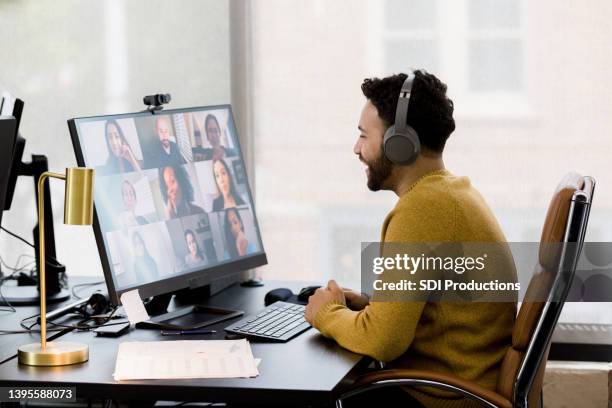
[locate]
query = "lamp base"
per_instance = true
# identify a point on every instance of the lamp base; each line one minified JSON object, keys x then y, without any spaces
{"x":57,"y":353}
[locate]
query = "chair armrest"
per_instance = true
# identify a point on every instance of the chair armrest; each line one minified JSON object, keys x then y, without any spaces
{"x":419,"y":378}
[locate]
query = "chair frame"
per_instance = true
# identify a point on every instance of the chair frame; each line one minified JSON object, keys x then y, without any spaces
{"x":575,"y":231}
{"x":416,"y":382}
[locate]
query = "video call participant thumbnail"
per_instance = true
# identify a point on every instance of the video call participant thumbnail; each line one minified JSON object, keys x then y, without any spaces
{"x":213,"y":135}
{"x":236,"y":242}
{"x":177,"y":192}
{"x":144,"y":266}
{"x":195,"y":256}
{"x":129,"y":217}
{"x":213,"y":132}
{"x":121,"y":158}
{"x":164,"y":151}
{"x":228,"y":195}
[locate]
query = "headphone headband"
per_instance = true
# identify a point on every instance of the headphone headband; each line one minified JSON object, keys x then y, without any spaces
{"x":401,"y":113}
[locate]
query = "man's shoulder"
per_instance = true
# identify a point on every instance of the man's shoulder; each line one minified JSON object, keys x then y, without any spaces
{"x":436,"y":195}
{"x":449,"y":208}
{"x":421,"y":218}
{"x":435,"y":209}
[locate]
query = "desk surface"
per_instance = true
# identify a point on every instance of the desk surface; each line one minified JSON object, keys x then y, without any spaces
{"x":308,"y":368}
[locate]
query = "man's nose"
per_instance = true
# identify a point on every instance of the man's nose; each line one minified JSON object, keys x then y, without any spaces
{"x":357,"y":148}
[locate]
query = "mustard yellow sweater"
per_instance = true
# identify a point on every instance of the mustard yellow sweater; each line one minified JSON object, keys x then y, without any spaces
{"x":467,"y":340}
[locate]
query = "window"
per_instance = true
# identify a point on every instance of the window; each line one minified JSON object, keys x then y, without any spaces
{"x":476,"y":44}
{"x":410,"y":35}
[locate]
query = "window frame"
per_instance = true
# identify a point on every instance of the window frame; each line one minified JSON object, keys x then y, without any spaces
{"x":453,"y":43}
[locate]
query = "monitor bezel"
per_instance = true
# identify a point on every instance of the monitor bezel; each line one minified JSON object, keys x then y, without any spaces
{"x":193,"y":279}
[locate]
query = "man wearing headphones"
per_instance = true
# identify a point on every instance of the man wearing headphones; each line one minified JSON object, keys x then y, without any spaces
{"x":403,"y":128}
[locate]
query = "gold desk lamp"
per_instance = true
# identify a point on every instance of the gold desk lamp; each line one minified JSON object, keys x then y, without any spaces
{"x":78,"y":210}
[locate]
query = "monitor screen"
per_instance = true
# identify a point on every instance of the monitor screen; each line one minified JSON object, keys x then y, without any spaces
{"x":172,"y":200}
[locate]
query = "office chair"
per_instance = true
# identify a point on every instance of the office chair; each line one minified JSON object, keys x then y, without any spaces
{"x":522,"y":370}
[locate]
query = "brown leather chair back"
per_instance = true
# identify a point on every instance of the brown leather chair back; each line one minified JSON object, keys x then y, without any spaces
{"x":540,"y":286}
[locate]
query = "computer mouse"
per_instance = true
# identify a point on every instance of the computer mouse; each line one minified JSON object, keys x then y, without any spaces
{"x":307,"y":292}
{"x":275,"y":295}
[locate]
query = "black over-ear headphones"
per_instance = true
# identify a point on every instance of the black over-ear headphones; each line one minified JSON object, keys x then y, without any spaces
{"x":97,"y":304}
{"x":401,"y":142}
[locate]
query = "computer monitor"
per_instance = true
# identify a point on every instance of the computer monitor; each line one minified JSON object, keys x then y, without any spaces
{"x":11,"y":168}
{"x":173,"y":207}
{"x":11,"y":106}
{"x":8,"y":135}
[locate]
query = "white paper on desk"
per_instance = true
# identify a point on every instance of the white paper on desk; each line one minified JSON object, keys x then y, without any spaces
{"x":133,"y":306}
{"x":184,"y":359}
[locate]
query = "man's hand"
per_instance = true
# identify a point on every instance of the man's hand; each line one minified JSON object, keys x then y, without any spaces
{"x":354,"y":300}
{"x":321,"y":297}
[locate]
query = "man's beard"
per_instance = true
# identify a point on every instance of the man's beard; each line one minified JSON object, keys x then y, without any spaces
{"x":379,"y":171}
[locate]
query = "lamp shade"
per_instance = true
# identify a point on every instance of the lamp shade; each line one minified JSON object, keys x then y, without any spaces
{"x":78,"y":201}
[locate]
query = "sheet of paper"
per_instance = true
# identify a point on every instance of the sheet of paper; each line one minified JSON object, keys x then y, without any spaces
{"x":185,"y":359}
{"x":133,"y":306}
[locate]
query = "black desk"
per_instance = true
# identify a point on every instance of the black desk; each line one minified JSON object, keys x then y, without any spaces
{"x":307,"y":370}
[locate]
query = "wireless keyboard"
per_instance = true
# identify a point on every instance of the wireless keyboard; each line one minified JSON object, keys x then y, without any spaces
{"x":280,"y":321}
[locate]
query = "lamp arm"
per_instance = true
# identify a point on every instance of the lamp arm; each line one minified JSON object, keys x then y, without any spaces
{"x":41,"y":254}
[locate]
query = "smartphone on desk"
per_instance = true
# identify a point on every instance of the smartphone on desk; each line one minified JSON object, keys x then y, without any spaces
{"x":114,"y":330}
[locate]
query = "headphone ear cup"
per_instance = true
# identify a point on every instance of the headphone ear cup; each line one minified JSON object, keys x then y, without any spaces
{"x":97,"y":304}
{"x":389,"y":134}
{"x":401,"y":148}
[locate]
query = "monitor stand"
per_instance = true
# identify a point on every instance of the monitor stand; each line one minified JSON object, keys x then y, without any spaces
{"x":29,"y":296}
{"x":190,"y":317}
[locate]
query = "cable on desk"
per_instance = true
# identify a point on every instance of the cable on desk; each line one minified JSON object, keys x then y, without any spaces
{"x":86,"y":327}
{"x":74,"y":291}
{"x":3,"y":332}
{"x":78,"y":326}
{"x":27,"y":329}
{"x":22,"y":322}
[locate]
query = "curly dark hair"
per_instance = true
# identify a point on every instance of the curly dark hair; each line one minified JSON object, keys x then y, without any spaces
{"x":430,"y":112}
{"x":182,"y":179}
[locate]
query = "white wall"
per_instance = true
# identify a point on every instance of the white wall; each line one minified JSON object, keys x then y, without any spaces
{"x":72,"y":58}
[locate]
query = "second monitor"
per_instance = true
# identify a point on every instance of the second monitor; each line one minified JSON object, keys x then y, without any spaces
{"x":173,"y":207}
